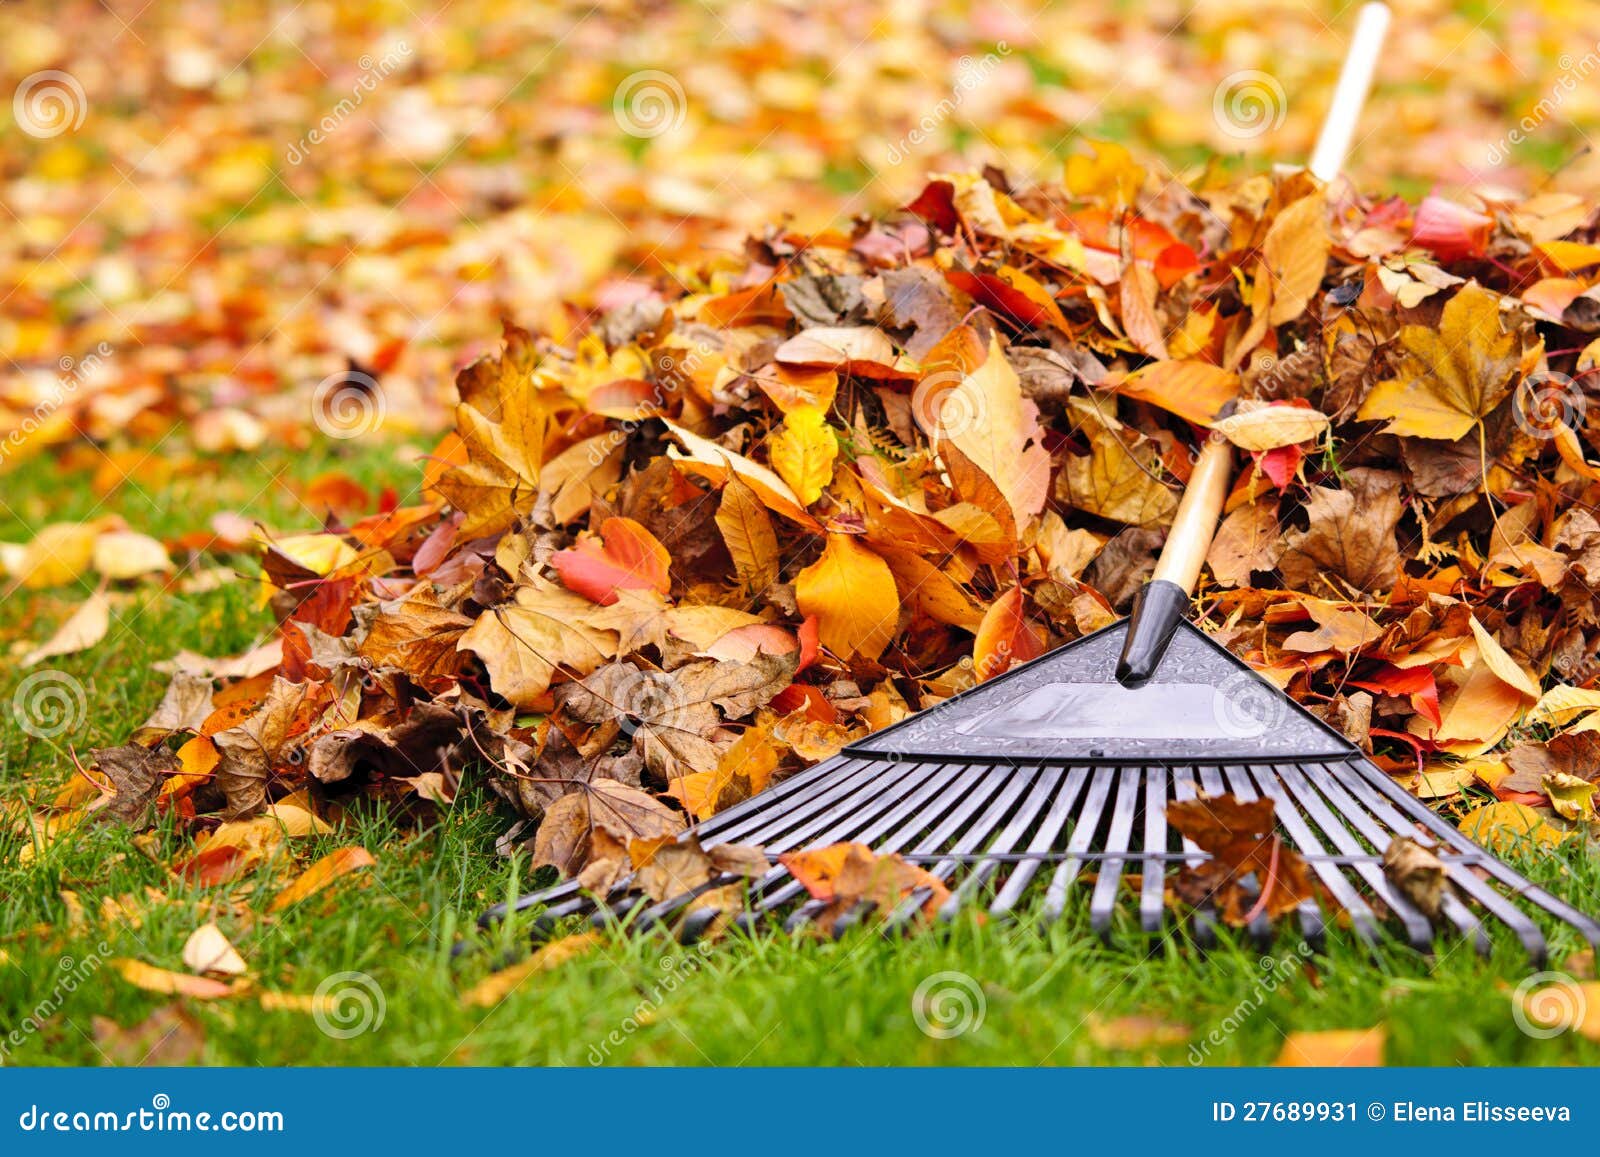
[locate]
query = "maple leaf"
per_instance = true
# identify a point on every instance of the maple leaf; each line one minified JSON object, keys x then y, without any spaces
{"x":595,"y":809}
{"x":1117,"y":478}
{"x":673,"y":716}
{"x":1248,"y":540}
{"x":1451,"y":378}
{"x":847,"y":876}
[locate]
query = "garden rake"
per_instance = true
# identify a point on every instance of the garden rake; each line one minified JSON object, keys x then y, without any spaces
{"x":1057,"y":775}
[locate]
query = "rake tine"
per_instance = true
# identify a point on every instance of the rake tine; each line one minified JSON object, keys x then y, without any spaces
{"x":1043,"y":840}
{"x":1362,"y":918}
{"x":1465,"y":918}
{"x":1471,"y":925}
{"x":779,"y":893}
{"x":786,"y":827}
{"x":795,"y":790}
{"x":1518,"y":884}
{"x":1204,"y":921}
{"x":1094,"y":802}
{"x":1153,"y":872}
{"x":970,"y":841}
{"x":1260,"y":927}
{"x":1044,"y":788}
{"x":1418,"y":930}
{"x":924,"y":807}
{"x":1308,"y":912}
{"x":1000,"y":798}
{"x":1102,"y":901}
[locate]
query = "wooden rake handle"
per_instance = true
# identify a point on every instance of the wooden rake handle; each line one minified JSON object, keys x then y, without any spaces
{"x":1164,"y":601}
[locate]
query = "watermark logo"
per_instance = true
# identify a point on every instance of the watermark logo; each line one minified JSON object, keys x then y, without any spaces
{"x":49,"y":103}
{"x":676,"y":971}
{"x":649,"y":104}
{"x":1245,"y":706}
{"x":1544,"y":402}
{"x":942,"y":410}
{"x":49,"y":703}
{"x":348,"y":404}
{"x":1548,"y":1004}
{"x":1274,"y":973}
{"x":1248,"y":103}
{"x":948,"y":1004}
{"x":348,"y":1004}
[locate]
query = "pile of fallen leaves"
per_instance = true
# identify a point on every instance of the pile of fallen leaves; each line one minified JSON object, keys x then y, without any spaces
{"x":775,"y":504}
{"x":217,"y":208}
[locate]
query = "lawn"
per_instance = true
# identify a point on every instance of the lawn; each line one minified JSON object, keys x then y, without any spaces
{"x":1048,"y":995}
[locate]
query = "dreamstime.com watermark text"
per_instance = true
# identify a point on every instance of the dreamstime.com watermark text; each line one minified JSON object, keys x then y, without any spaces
{"x":371,"y":73}
{"x":159,"y":1117}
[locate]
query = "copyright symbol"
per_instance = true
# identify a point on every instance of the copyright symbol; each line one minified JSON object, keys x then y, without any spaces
{"x":1375,"y":1111}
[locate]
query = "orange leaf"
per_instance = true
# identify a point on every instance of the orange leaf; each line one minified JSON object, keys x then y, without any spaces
{"x":625,"y":557}
{"x":1195,"y":391}
{"x":1005,"y":637}
{"x":322,"y":873}
{"x":1335,"y":1049}
{"x":153,"y":979}
{"x":851,"y":592}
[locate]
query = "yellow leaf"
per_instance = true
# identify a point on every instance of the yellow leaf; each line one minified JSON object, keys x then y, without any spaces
{"x":1257,"y":426}
{"x":995,"y":429}
{"x":1451,"y":378}
{"x":852,"y":593}
{"x":803,"y":451}
{"x":1116,"y":479}
{"x":1110,"y":174}
{"x":122,"y":554}
{"x":322,"y":873}
{"x":747,"y":532}
{"x":58,"y":554}
{"x":1560,"y":705}
{"x":1570,"y":795}
{"x":83,"y":629}
{"x":1502,"y":664}
{"x":710,"y":460}
{"x":208,"y":950}
{"x":1294,"y":255}
{"x":1504,"y":827}
{"x":495,"y":987}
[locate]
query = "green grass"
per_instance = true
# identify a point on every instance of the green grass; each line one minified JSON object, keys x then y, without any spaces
{"x":631,"y":1000}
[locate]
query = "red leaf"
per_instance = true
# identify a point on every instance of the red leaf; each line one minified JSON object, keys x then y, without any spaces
{"x":1452,"y":231}
{"x":625,"y":556}
{"x":1416,"y":683}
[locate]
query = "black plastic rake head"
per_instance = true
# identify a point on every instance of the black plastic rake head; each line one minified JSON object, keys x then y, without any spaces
{"x":1053,"y":780}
